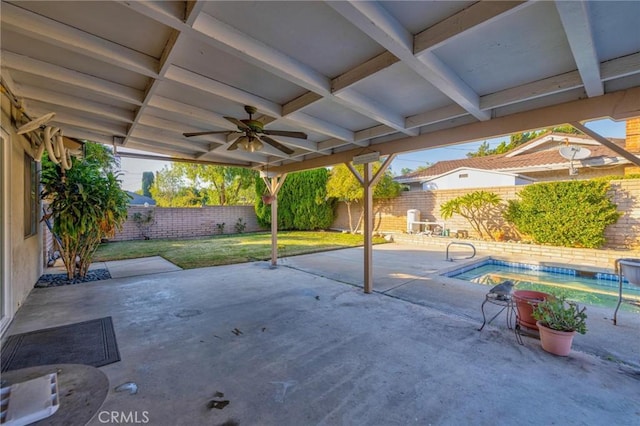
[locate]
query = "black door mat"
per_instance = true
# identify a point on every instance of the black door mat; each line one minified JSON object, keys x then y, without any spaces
{"x":90,"y":342}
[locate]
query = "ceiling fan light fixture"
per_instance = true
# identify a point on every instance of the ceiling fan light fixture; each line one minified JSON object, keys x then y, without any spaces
{"x":255,"y":145}
{"x":250,"y":144}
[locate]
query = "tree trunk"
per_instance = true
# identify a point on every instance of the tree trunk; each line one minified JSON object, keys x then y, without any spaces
{"x":360,"y":219}
{"x":350,"y":219}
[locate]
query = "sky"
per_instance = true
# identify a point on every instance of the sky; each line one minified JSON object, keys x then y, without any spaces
{"x":132,"y":169}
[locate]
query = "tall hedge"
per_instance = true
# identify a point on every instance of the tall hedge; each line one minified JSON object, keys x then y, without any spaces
{"x":302,"y":202}
{"x":569,"y":214}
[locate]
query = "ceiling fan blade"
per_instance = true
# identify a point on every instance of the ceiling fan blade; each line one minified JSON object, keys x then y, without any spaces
{"x":297,"y":135}
{"x":188,"y":135}
{"x":238,"y":123}
{"x":277,"y":145}
{"x":234,"y":145}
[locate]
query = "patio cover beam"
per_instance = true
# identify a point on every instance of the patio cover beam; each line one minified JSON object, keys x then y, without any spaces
{"x":74,"y":78}
{"x":473,"y":17}
{"x":618,"y":105}
{"x":577,"y":26}
{"x":178,"y":160}
{"x":606,"y":142}
{"x":39,"y":27}
{"x":377,"y":23}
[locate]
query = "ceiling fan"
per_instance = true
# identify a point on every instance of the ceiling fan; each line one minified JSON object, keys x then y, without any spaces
{"x":253,"y":134}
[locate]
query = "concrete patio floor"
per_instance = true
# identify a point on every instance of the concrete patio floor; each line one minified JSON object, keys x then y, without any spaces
{"x":311,"y":348}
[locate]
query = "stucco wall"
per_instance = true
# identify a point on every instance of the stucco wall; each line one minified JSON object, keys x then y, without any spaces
{"x":177,"y":222}
{"x":25,"y":260}
{"x":583,"y":173}
{"x":464,"y":177}
{"x":391,"y":216}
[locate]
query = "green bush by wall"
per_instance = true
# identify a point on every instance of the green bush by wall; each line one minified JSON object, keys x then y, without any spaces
{"x":302,"y":202}
{"x":569,"y":214}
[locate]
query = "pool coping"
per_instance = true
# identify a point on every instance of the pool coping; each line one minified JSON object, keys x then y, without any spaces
{"x":605,"y":274}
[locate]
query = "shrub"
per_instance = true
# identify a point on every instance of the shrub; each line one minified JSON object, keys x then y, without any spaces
{"x":86,"y":204}
{"x":240,"y":226}
{"x":220,"y":227}
{"x":570,"y":214}
{"x":302,"y":202}
{"x":480,"y":208}
{"x":144,"y":222}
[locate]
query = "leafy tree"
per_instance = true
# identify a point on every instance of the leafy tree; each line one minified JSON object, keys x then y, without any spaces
{"x":344,"y":186}
{"x":170,"y":190}
{"x":482,"y":150}
{"x":477,"y":207}
{"x":147,"y":183}
{"x":184,"y":185}
{"x":569,"y":213}
{"x":303,"y":203}
{"x":228,"y":185}
{"x":518,"y":139}
{"x":86,"y":204}
{"x":407,"y":170}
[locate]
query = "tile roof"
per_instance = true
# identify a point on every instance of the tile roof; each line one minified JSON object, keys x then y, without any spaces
{"x":139,"y":200}
{"x":503,"y":163}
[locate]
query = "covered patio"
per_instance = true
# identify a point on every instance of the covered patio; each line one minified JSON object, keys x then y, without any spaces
{"x":322,"y":83}
{"x":316,"y":350}
{"x":331,"y":82}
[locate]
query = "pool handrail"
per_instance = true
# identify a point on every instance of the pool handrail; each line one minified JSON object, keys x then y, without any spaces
{"x":618,"y":270}
{"x":447,"y":258}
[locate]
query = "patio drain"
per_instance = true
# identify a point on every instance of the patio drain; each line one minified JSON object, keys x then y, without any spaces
{"x":188,"y":313}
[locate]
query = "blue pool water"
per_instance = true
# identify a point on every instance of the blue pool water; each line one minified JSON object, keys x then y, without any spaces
{"x":582,"y":287}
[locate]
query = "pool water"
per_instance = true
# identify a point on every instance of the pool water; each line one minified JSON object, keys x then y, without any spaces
{"x":581,"y":287}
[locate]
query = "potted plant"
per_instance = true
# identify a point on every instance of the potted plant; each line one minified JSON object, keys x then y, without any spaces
{"x":526,"y":301}
{"x":558,"y":321}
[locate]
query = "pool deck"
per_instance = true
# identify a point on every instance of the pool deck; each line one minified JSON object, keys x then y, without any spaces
{"x":414,"y":274}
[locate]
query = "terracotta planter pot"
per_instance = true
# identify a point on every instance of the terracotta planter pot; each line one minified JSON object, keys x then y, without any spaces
{"x":554,"y":341}
{"x":526,"y":300}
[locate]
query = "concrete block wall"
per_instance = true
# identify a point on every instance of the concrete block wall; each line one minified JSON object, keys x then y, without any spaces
{"x":175,"y":222}
{"x":391,"y":215}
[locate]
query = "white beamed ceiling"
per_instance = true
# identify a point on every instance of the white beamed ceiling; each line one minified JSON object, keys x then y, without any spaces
{"x":387,"y":76}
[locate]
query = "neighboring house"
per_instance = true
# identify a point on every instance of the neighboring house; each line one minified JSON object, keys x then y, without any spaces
{"x":140,"y":200}
{"x":536,"y":160}
{"x":466,"y":177}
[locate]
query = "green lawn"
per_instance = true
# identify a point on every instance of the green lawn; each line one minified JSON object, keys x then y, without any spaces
{"x":227,"y":249}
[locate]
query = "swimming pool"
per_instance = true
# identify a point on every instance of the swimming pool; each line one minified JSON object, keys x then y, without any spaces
{"x":580,"y":286}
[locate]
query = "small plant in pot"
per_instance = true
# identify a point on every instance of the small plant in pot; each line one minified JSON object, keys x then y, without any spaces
{"x":558,"y":320}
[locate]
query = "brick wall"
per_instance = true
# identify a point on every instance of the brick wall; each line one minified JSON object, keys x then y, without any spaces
{"x":175,"y":222}
{"x":391,"y":216}
{"x":589,"y":258}
{"x":632,"y":142}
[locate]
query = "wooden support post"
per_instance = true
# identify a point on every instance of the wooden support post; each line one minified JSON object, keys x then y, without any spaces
{"x":368,"y":183}
{"x":368,"y":229}
{"x":274,"y":183}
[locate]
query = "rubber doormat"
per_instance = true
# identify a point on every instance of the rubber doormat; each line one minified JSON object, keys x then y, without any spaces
{"x":90,"y":342}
